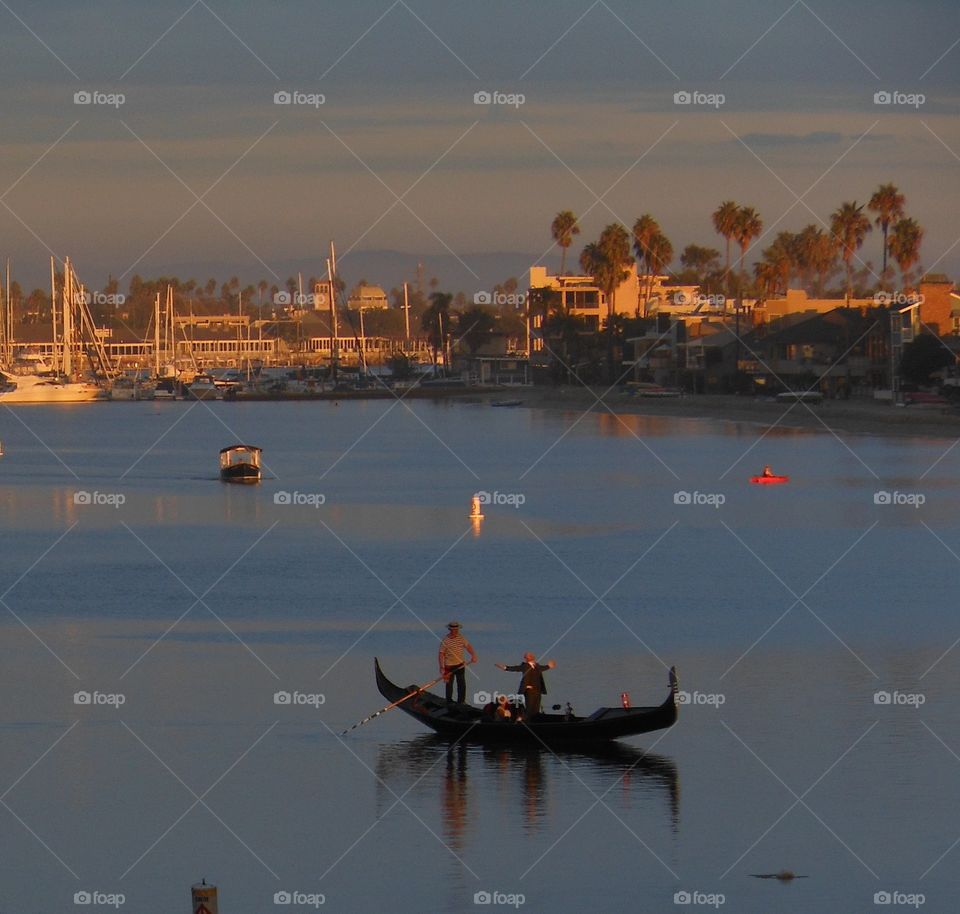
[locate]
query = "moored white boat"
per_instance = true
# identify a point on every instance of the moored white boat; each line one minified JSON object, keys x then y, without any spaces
{"x":130,"y":389}
{"x":203,"y":387}
{"x":31,"y":388}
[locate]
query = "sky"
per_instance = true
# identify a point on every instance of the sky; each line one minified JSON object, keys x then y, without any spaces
{"x":184,"y":163}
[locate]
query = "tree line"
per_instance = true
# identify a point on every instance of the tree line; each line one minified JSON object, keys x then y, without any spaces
{"x":810,"y":258}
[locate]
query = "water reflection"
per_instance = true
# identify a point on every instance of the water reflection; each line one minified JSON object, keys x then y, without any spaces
{"x":529,"y":779}
{"x":631,"y":425}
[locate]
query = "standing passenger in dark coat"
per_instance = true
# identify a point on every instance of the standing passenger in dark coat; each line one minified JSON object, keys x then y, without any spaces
{"x":532,"y":685}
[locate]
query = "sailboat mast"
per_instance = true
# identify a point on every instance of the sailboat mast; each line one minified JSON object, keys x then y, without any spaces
{"x":67,"y":317}
{"x":9,"y":315}
{"x":3,"y":332}
{"x":156,"y":335}
{"x":53,"y":316}
{"x":334,"y":347}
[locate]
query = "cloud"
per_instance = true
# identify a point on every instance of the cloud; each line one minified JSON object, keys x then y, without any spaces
{"x":814,"y":138}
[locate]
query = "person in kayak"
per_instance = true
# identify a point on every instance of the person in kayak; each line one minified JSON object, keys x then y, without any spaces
{"x":452,"y":664}
{"x":532,"y":685}
{"x":767,"y":471}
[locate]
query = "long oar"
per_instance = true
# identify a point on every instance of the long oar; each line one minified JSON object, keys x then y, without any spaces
{"x":399,"y":701}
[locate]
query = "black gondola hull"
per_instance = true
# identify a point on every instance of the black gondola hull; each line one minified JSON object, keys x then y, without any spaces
{"x":465,"y":722}
{"x":240,"y":472}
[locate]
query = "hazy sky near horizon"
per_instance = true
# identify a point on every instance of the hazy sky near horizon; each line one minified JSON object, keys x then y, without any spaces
{"x":400,"y":157}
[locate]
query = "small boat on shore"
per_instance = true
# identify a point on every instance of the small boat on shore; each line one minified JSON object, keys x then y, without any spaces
{"x":800,"y":396}
{"x":240,"y":463}
{"x":465,"y":722}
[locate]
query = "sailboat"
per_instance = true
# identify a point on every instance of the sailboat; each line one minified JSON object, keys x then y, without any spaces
{"x":29,"y":379}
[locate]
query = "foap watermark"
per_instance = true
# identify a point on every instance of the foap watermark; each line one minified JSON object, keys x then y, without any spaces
{"x":911,"y":499}
{"x":713,"y":499}
{"x":299,"y":499}
{"x":104,"y":899}
{"x":108,"y":499}
{"x":311,"y":699}
{"x":302,"y":899}
{"x":111,"y":699}
{"x":484,"y":698}
{"x":703,"y":99}
{"x":895,"y":97}
{"x":900,"y":699}
{"x":512,"y":299}
{"x":702,"y":698}
{"x":508,"y":99}
{"x":296,"y":97}
{"x":103,"y":298}
{"x":516,"y":499}
{"x":303,"y":299}
{"x":906,"y":899}
{"x":897,"y":298}
{"x":94,"y":97}
{"x":710,"y":899}
{"x":509,"y":899}
{"x":700,"y":299}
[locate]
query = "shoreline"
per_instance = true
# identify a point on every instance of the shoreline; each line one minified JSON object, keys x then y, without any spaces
{"x":843,"y":417}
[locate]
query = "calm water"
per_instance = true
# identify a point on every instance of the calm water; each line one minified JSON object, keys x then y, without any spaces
{"x":785,"y":610}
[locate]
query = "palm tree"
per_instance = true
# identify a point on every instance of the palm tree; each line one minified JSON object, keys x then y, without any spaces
{"x":606,"y":261}
{"x":849,"y":227}
{"x":779,"y":262}
{"x":748,"y":226}
{"x":645,"y":229}
{"x":563,"y":228}
{"x":887,"y":202}
{"x":818,"y":253}
{"x":905,"y":246}
{"x":769,"y":277}
{"x":615,"y":244}
{"x":724,"y":221}
{"x":436,"y":321}
{"x":659,"y":255}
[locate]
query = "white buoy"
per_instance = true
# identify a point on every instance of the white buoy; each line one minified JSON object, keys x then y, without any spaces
{"x":475,"y":512}
{"x":204,"y":898}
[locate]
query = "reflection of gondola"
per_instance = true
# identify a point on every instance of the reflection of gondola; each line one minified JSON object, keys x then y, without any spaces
{"x":634,"y":767}
{"x":466,"y":722}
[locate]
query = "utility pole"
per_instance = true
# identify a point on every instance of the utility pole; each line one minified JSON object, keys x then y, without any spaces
{"x":406,"y":312}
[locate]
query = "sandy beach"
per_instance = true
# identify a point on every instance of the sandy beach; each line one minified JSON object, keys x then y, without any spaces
{"x":851,"y":417}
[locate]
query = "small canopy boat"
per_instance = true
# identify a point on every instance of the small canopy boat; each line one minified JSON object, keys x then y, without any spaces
{"x":240,"y":463}
{"x":769,"y":480}
{"x":456,"y":721}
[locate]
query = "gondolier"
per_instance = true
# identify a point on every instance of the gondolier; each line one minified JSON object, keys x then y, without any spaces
{"x":452,"y":664}
{"x":532,"y":685}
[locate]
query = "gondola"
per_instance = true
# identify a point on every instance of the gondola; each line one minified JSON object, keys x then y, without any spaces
{"x":456,"y":721}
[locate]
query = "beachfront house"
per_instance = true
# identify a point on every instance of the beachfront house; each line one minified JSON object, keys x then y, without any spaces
{"x":841,"y":352}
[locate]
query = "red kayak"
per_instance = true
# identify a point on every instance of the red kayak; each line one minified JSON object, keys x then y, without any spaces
{"x":769,"y":480}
